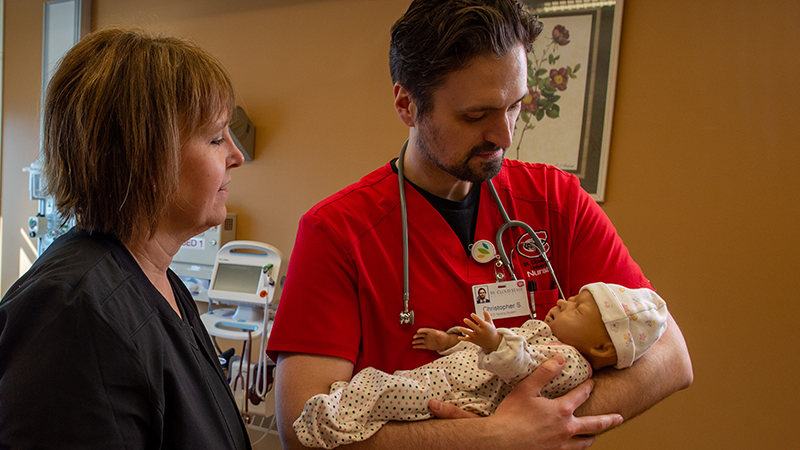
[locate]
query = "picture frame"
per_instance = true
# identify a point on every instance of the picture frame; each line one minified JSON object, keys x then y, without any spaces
{"x":65,"y":22}
{"x":567,"y":116}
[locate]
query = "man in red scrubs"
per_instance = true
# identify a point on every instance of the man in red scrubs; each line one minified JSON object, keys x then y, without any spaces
{"x":460,"y":75}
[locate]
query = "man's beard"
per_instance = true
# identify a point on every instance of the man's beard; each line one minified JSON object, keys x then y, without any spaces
{"x":426,"y":141}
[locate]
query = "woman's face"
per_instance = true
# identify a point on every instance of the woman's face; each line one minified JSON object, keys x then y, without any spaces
{"x":206,"y":160}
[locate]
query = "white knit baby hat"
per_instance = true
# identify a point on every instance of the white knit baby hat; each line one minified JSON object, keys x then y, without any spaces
{"x":634,"y":318}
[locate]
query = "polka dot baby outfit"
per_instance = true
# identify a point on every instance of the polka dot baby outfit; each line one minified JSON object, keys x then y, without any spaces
{"x":466,"y":377}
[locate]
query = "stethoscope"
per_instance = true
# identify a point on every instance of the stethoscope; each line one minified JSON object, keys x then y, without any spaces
{"x":406,"y":316}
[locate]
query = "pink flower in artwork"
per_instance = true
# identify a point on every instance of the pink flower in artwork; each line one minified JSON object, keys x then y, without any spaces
{"x":547,"y":82}
{"x":558,"y":78}
{"x":531,"y":101}
{"x":560,"y":35}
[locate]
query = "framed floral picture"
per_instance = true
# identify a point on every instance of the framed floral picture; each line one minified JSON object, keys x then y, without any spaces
{"x":572,"y":70}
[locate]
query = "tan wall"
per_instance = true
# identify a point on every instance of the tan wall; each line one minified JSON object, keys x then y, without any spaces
{"x":702,"y":182}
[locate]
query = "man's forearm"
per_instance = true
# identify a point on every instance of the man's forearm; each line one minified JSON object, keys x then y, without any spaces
{"x":463,"y":434}
{"x":665,"y":369}
{"x":299,"y":377}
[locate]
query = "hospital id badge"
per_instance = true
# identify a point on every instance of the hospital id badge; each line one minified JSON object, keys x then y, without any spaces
{"x":502,"y":300}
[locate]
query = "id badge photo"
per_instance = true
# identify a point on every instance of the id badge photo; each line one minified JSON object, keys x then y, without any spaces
{"x":502,"y":300}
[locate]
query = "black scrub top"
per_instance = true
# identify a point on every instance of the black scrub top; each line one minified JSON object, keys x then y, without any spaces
{"x":92,"y":356}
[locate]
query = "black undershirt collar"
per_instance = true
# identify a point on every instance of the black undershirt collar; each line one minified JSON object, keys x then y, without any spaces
{"x":462,"y":216}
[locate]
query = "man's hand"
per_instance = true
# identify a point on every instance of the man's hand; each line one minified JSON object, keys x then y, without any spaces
{"x":538,"y":422}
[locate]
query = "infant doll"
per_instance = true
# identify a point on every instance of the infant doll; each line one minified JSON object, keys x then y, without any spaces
{"x":603,"y":325}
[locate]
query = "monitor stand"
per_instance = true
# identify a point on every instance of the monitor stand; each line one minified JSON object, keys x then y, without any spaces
{"x":234,"y":323}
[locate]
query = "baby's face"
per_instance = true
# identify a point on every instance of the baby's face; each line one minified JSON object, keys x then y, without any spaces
{"x":577,"y":321}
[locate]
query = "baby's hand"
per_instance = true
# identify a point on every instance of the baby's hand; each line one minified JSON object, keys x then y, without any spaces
{"x":431,"y":339}
{"x":481,"y":332}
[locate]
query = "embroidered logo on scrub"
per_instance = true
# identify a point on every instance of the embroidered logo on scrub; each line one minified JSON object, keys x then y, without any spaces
{"x":527,"y":248}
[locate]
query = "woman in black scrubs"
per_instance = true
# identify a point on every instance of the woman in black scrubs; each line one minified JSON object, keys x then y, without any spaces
{"x":101,"y":345}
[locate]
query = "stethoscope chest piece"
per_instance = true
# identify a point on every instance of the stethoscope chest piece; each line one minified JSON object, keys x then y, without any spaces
{"x":483,"y":251}
{"x":406,"y":317}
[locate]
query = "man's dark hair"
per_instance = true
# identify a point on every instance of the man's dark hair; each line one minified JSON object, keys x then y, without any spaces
{"x":437,"y":37}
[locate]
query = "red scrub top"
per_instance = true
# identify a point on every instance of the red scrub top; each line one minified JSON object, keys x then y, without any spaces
{"x":344,"y":286}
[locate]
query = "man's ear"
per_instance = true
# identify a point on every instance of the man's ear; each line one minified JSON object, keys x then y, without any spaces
{"x":404,"y":105}
{"x":604,"y":350}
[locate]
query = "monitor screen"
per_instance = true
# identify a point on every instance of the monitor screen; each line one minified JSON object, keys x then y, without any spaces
{"x":237,"y":278}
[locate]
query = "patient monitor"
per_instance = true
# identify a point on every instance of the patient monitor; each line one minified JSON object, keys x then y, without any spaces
{"x":248,"y":275}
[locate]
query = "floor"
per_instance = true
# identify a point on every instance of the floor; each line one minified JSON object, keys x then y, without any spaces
{"x":263,"y":432}
{"x":265,"y":441}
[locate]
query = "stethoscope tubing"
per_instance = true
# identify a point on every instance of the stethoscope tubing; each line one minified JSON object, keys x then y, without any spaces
{"x":407,"y":316}
{"x":508,"y":223}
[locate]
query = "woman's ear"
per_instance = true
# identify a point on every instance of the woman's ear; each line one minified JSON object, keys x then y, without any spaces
{"x":404,"y":105}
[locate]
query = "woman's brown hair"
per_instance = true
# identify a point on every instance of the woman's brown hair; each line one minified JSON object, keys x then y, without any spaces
{"x":116,"y":114}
